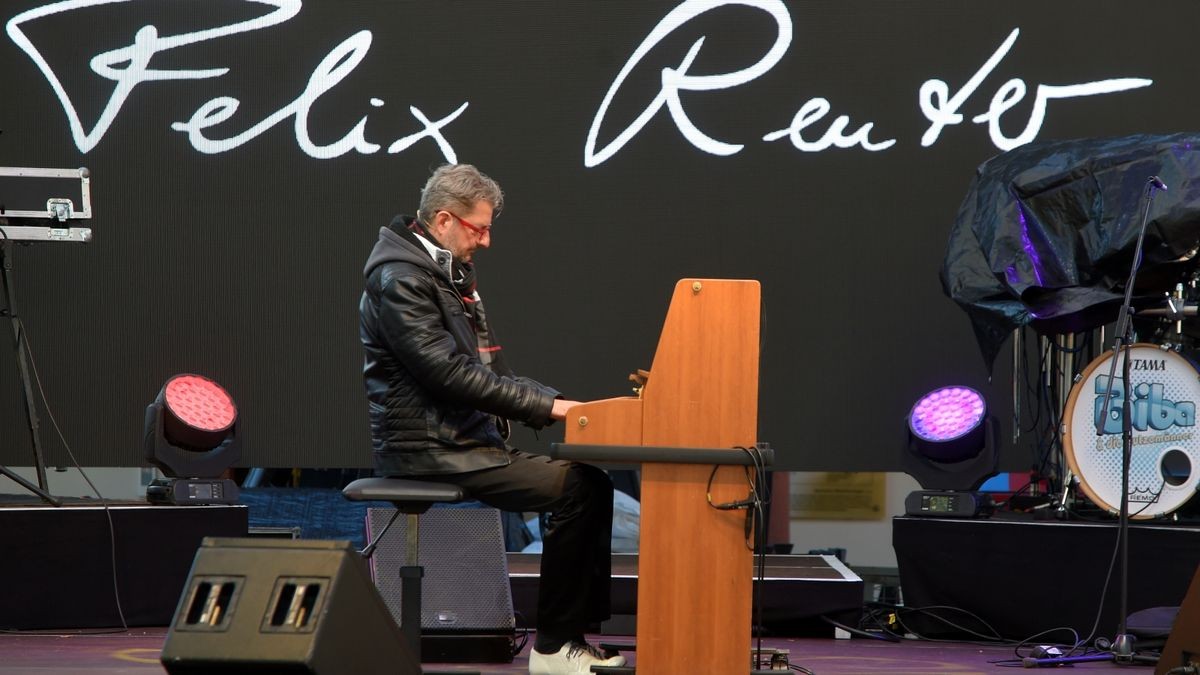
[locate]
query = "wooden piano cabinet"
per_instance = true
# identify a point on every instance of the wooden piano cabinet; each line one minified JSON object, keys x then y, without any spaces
{"x":694,"y":590}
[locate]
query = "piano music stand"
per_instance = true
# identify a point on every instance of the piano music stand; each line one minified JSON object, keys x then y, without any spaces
{"x":58,"y":211}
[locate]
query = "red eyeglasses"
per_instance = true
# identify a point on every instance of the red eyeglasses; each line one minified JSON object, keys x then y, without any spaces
{"x":481,"y":231}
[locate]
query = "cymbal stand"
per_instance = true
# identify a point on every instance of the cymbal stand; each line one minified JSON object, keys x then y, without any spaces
{"x":1018,"y":360}
{"x":1046,"y":382}
{"x":1066,"y":381}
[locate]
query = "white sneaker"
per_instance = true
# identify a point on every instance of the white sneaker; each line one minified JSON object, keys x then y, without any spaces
{"x":575,"y":658}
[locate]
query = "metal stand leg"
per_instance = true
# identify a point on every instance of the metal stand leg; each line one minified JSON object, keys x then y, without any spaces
{"x":41,"y":489}
{"x":1067,"y":382}
{"x":410,"y":588}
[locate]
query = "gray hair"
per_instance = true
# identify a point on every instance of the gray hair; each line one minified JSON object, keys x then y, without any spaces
{"x":458,"y":185}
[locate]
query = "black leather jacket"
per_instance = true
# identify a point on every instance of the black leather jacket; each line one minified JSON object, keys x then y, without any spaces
{"x":433,"y":404}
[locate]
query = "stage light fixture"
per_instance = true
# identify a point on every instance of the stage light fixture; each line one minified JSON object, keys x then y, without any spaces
{"x":191,"y":434}
{"x":951,"y":451}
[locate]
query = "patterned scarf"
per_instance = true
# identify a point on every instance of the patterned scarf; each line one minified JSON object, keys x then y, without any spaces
{"x":463,"y":278}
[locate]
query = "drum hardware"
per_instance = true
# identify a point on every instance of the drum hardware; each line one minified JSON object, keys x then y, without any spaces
{"x":1056,"y":353}
{"x":1068,"y":478}
{"x":1070,"y":481}
{"x":1177,"y":306}
{"x":1176,"y":314}
{"x":1046,"y":372}
{"x":1066,"y":366}
{"x":1016,"y":379}
{"x":1066,"y":369}
{"x":1176,"y":310}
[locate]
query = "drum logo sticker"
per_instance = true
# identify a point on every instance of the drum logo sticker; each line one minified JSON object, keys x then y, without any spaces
{"x":1164,"y":453}
{"x":1150,"y":408}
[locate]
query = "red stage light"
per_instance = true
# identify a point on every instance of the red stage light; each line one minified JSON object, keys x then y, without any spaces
{"x":191,"y":434}
{"x":200,"y":411}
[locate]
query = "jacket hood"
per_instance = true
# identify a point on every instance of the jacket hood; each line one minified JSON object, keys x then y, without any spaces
{"x":398,"y":244}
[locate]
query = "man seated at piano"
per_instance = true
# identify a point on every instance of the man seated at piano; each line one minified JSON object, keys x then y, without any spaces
{"x":440,"y":398}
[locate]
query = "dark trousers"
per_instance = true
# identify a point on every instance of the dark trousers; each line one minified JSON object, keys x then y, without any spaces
{"x":576,"y":576}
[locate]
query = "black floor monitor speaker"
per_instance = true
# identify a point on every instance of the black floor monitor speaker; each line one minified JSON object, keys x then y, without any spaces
{"x":262,"y":605}
{"x":1183,"y":645}
{"x":466,"y":601}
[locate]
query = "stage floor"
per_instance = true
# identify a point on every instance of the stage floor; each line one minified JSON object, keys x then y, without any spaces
{"x":137,"y":652}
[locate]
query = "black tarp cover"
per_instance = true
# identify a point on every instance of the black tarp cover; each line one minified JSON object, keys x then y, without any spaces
{"x":1046,"y":233}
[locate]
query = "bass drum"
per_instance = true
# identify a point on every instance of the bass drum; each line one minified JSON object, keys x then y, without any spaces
{"x":1166,"y":448}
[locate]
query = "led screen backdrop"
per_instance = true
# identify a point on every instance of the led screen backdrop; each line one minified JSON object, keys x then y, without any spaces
{"x":244,"y":154}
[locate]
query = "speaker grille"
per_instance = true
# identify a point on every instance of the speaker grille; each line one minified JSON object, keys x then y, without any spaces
{"x":465,"y":588}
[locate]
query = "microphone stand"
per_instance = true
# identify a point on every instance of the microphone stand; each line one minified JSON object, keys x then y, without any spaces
{"x":1122,"y":644}
{"x":1121,"y":650}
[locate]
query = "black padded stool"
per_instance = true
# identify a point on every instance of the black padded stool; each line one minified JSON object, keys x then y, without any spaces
{"x":412,"y":498}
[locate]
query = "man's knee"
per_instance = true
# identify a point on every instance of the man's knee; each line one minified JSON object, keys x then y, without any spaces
{"x":593,"y":480}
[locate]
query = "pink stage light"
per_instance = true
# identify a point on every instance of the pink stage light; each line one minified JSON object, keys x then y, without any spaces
{"x":947,"y":414}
